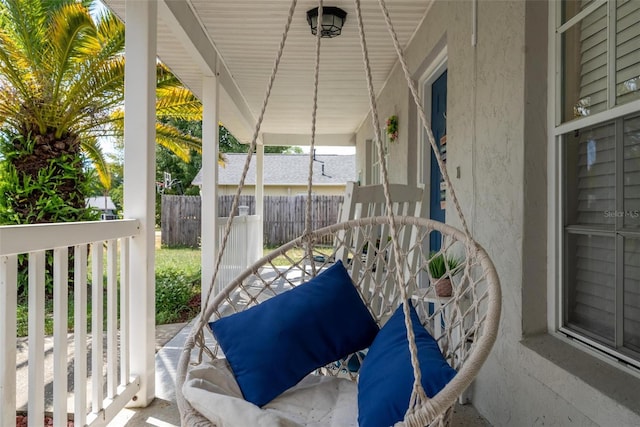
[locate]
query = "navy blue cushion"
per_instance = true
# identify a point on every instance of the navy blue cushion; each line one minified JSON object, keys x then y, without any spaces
{"x":386,"y":375}
{"x":275,"y":344}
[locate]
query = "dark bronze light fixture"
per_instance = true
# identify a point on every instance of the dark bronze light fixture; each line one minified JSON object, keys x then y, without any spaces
{"x":332,"y":21}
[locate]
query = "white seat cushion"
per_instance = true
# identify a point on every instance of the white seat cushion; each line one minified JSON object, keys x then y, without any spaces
{"x":316,"y":401}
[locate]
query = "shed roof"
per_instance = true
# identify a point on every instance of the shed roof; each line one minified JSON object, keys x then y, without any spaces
{"x":101,"y":202}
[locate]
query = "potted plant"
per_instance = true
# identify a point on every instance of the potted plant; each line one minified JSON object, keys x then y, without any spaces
{"x":441,"y":268}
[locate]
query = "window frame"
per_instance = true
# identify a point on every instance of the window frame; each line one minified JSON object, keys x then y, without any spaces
{"x":557,"y":231}
{"x":376,"y":163}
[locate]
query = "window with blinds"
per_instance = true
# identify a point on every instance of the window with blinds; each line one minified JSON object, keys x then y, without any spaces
{"x":627,"y":51}
{"x":600,"y":70}
{"x":602,"y":296}
{"x":600,"y":57}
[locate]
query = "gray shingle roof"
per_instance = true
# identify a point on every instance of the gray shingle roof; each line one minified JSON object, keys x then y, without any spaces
{"x":288,"y":169}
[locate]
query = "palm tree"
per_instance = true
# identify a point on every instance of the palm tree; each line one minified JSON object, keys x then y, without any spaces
{"x":61,"y":92}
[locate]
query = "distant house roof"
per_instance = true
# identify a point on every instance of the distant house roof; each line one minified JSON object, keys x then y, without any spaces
{"x":288,"y":169}
{"x":101,"y":202}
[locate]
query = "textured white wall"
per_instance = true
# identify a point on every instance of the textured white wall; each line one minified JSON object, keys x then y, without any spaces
{"x":496,"y":134}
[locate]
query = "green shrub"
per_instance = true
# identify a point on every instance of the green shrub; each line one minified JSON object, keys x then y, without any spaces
{"x":177,"y":295}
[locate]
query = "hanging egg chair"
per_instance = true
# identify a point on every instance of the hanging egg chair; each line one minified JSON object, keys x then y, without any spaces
{"x":360,"y":333}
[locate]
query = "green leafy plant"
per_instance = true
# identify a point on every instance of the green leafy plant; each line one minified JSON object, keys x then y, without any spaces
{"x":177,"y":296}
{"x":440,"y":263}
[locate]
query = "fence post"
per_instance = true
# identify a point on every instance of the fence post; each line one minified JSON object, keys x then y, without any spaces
{"x":8,"y":304}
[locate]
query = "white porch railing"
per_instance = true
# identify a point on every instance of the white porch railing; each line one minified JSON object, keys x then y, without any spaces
{"x":244,"y":247}
{"x":111,"y":384}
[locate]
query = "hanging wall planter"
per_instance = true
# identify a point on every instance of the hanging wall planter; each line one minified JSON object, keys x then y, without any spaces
{"x":392,"y":128}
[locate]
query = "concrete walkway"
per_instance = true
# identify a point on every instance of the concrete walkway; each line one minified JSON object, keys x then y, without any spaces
{"x":163,"y":411}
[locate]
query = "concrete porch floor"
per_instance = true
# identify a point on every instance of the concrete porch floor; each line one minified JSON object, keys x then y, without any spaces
{"x":163,"y":411}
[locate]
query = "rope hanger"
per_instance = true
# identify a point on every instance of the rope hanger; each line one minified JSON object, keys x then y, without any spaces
{"x":378,"y":138}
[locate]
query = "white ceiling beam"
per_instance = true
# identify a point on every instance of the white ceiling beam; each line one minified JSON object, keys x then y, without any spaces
{"x":343,"y":140}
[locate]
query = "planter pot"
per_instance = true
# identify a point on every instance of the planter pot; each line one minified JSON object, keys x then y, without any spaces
{"x":443,"y":287}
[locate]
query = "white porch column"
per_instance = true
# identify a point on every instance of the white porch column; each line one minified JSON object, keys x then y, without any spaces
{"x":209,"y":237}
{"x":260,"y":190}
{"x":139,"y":187}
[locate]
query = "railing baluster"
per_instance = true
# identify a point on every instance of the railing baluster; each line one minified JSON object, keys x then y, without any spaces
{"x":60,"y":344}
{"x":97,"y":330}
{"x":124,"y":311}
{"x":112,"y":318}
{"x":36,"y":242}
{"x":80,"y":334}
{"x":36,"y":338}
{"x":8,"y":304}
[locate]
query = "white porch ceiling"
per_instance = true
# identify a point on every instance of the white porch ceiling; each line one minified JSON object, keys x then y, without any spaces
{"x":244,"y":35}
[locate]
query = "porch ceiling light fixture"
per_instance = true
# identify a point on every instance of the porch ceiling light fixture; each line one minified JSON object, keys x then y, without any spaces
{"x":333,"y":19}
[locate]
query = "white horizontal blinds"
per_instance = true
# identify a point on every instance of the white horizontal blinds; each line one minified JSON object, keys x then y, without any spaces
{"x":631,"y":178}
{"x":593,"y":63}
{"x":591,"y":296}
{"x":631,"y":315}
{"x":595,"y":176}
{"x":590,"y":174}
{"x":627,"y":51}
{"x":591,"y":158}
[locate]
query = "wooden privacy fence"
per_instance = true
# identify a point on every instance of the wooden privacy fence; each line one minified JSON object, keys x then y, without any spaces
{"x":180,"y":221}
{"x":283,"y":217}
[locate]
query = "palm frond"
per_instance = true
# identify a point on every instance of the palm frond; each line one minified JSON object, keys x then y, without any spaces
{"x":179,"y":143}
{"x":178,"y":102}
{"x":72,"y":35}
{"x":11,"y":59}
{"x":94,"y":152}
{"x":165,"y":78}
{"x":97,"y":93}
{"x":27,"y":26}
{"x":17,"y":76}
{"x":110,"y":34}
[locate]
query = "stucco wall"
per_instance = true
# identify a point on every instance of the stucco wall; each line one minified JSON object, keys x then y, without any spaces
{"x":497,"y":136}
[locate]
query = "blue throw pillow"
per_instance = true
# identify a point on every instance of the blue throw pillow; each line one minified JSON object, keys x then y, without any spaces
{"x":275,"y":344}
{"x":386,"y":375}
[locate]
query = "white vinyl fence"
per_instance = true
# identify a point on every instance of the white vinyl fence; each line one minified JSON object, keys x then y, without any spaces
{"x":244,"y":247}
